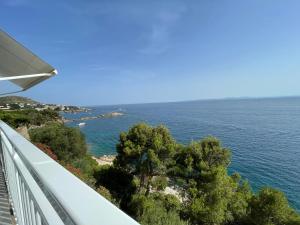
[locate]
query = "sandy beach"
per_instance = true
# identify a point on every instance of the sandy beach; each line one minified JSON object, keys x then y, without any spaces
{"x":105,"y":160}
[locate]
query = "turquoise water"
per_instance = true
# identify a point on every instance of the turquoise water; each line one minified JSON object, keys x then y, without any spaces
{"x":263,"y":134}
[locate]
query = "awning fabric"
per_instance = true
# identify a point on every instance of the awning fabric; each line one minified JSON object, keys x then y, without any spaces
{"x":20,"y":66}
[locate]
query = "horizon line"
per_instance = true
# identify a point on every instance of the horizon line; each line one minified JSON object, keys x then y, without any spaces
{"x":195,"y":100}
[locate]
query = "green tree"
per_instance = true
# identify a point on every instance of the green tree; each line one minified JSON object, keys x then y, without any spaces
{"x":106,"y":194}
{"x":209,"y":201}
{"x":149,"y":158}
{"x":194,"y":160}
{"x":86,"y":164}
{"x":15,"y":118}
{"x":120,"y":184}
{"x":29,"y":117}
{"x":14,"y":106}
{"x":239,"y":204}
{"x":66,"y":142}
{"x":212,"y":196}
{"x":270,"y":207}
{"x":145,"y":151}
{"x":156,"y":209}
{"x":293,"y":220}
{"x":159,"y":183}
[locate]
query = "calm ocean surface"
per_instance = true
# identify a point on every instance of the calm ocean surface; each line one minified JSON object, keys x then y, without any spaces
{"x":263,"y":134}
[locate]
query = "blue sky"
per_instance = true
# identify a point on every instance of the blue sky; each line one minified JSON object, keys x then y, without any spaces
{"x":112,"y":52}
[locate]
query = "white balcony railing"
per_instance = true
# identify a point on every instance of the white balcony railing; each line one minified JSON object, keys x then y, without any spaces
{"x":43,"y":192}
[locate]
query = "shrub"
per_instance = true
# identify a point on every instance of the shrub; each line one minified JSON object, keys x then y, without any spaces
{"x":67,"y":143}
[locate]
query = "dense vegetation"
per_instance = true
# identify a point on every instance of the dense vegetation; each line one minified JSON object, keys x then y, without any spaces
{"x":151,"y":160}
{"x":66,"y":145}
{"x":161,"y":182}
{"x":28,"y":117}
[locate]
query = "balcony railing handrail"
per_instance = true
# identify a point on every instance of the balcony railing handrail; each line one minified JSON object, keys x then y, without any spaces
{"x":59,"y":196}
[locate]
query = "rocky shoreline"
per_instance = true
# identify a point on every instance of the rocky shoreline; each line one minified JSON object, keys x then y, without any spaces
{"x":101,"y":116}
{"x":105,"y":159}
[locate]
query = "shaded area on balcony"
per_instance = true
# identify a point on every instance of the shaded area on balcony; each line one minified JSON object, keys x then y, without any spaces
{"x":6,"y":217}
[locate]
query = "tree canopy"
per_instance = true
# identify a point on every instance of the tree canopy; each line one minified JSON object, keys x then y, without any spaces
{"x":146,"y":152}
{"x":148,"y":161}
{"x":29,"y":117}
{"x":270,"y":207}
{"x":66,"y":142}
{"x":199,"y":173}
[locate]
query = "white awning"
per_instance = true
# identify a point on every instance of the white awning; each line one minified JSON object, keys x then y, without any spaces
{"x":20,"y":66}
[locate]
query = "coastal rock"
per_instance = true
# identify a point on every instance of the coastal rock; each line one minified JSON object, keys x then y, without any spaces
{"x":105,"y":160}
{"x":113,"y":114}
{"x":107,"y":115}
{"x":23,"y":131}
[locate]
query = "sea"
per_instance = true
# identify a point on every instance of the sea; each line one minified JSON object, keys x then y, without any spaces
{"x":263,"y":134}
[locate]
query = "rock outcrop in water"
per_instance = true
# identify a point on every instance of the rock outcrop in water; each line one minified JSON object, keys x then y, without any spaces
{"x":101,"y":116}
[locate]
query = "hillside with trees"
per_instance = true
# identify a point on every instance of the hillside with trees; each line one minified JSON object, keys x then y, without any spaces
{"x":29,"y":117}
{"x":159,"y":181}
{"x":16,"y":99}
{"x":152,"y":160}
